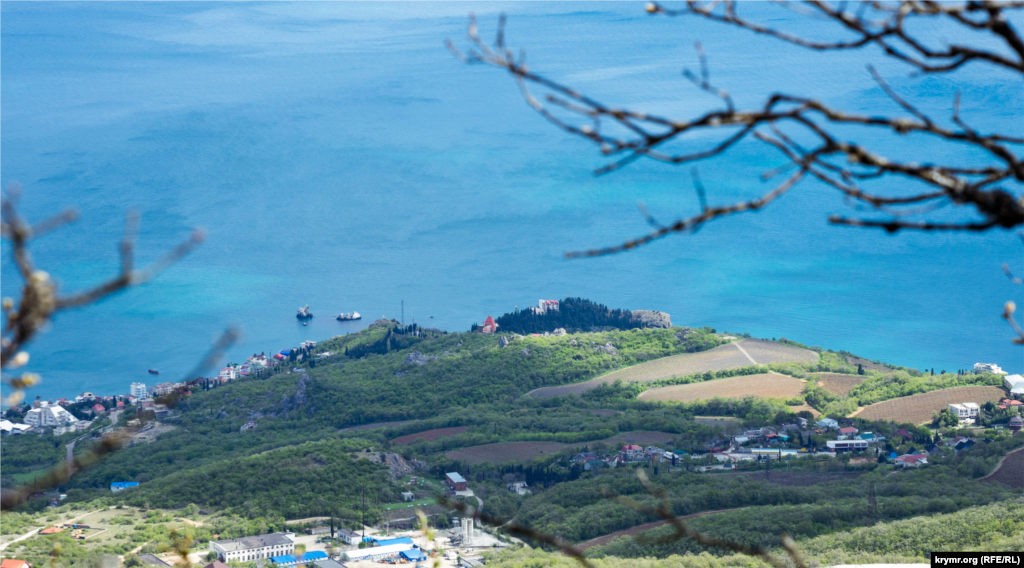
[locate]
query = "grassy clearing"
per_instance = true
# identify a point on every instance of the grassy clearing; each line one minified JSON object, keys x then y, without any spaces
{"x":28,"y":477}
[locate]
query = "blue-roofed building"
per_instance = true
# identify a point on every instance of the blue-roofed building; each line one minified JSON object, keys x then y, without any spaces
{"x":296,"y":559}
{"x":122,"y":485}
{"x":390,"y":541}
{"x":413,"y":555}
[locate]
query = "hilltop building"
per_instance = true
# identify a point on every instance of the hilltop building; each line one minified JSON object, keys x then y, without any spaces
{"x":489,"y":326}
{"x":249,"y":548}
{"x":543,"y":306}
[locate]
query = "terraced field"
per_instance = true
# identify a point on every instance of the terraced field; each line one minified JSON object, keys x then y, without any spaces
{"x":740,"y":354}
{"x":918,"y":408}
{"x":1010,"y":470}
{"x":526,"y":451}
{"x":837,"y":383}
{"x":768,"y":385}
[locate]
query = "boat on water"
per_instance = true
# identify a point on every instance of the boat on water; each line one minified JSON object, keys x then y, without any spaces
{"x":349,"y":317}
{"x":154,"y":372}
{"x":304,"y":313}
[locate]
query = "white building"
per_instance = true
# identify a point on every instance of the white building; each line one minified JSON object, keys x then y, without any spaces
{"x":965,"y":411}
{"x":8,"y":427}
{"x":376,"y":552}
{"x":544,"y":305}
{"x":49,"y":416}
{"x":846,"y":446}
{"x":988,"y":368}
{"x":249,"y":548}
{"x":138,"y":390}
{"x":1013,"y":381}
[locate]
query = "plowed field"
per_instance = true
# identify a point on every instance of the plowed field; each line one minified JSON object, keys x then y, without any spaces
{"x":1010,"y":470}
{"x":837,"y":383}
{"x":722,"y":357}
{"x":767,"y":385}
{"x":429,"y":435}
{"x":918,"y":408}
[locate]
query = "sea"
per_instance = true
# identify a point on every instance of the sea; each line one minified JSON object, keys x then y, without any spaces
{"x":338,"y":155}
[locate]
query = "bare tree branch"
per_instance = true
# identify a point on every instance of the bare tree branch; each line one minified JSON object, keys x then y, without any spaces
{"x":836,"y":162}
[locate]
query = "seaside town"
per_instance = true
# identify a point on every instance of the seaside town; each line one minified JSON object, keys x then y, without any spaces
{"x":149,"y":411}
{"x":78,"y":413}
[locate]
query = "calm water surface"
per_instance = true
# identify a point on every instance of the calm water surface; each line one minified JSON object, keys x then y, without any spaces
{"x":339,"y":156}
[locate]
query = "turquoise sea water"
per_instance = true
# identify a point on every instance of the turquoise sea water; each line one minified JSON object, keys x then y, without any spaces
{"x":339,"y":156}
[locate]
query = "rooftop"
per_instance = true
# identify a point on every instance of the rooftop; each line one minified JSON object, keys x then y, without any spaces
{"x":455,"y":477}
{"x":247,"y":542}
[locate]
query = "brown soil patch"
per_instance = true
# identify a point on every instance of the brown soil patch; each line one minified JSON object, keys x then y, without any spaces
{"x":768,"y":385}
{"x":1009,"y":471}
{"x":721,"y":357}
{"x":918,"y":408}
{"x":429,"y":435}
{"x":505,"y":452}
{"x":837,"y":383}
{"x":806,"y":407}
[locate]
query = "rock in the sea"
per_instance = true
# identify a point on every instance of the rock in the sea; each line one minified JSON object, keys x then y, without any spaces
{"x":503,"y":342}
{"x":649,"y":318}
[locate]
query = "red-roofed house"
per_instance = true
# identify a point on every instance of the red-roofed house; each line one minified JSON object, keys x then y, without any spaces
{"x":904,"y":433}
{"x":848,"y":431}
{"x":98,"y":408}
{"x":489,"y":326}
{"x":12,"y":563}
{"x":120,"y":405}
{"x":912,"y":461}
{"x":633,"y":452}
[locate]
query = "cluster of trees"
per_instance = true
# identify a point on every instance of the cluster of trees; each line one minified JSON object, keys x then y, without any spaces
{"x":311,"y":479}
{"x":573,"y":314}
{"x":384,"y":339}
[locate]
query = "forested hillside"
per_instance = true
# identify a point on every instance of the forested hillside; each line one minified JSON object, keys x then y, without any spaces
{"x":310,"y":479}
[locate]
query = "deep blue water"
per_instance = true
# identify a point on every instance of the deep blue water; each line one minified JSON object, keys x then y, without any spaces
{"x":339,"y":156}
